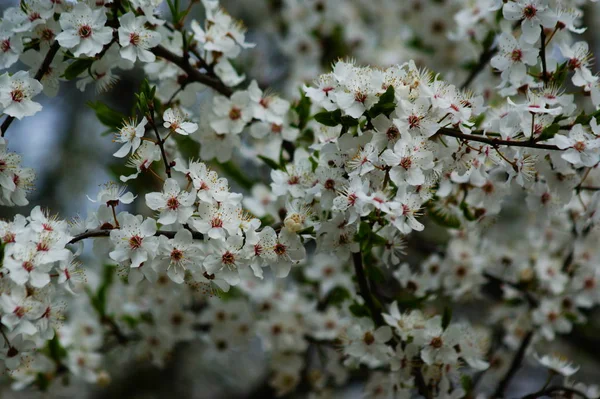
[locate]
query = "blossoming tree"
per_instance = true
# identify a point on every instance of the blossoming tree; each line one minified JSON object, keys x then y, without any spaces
{"x":328,"y":260}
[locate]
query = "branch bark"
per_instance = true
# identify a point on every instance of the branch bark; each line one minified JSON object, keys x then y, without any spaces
{"x":514,"y":366}
{"x":106,"y":233}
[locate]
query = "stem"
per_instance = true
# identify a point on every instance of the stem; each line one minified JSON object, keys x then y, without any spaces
{"x":44,"y":68}
{"x":514,"y":366}
{"x":543,"y":57}
{"x":193,"y":74}
{"x":160,"y":143}
{"x":496,"y":142}
{"x":5,"y":338}
{"x":530,"y":299}
{"x":484,"y":58}
{"x":364,"y":289}
{"x":551,"y":390}
{"x":106,"y":233}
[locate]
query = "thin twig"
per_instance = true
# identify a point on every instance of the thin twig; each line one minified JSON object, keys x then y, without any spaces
{"x":484,"y":58}
{"x":514,"y":366}
{"x":551,"y":390}
{"x":364,"y":289}
{"x":160,"y":143}
{"x":496,"y":142}
{"x":106,"y":233}
{"x":543,"y":56}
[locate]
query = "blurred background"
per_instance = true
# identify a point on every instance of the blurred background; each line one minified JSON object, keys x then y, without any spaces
{"x":71,"y":157}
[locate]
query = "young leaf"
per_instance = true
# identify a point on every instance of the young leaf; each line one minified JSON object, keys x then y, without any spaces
{"x":332,"y":118}
{"x":106,"y":115}
{"x":77,"y":67}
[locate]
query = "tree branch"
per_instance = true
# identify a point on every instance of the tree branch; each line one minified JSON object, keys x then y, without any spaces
{"x":194,"y":75}
{"x":514,"y":366}
{"x":551,"y":390}
{"x":364,"y":289}
{"x":543,"y":57}
{"x":106,"y":233}
{"x":484,"y":58}
{"x":496,"y":142}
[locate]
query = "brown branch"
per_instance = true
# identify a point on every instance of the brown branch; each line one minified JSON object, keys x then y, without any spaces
{"x":551,"y":390}
{"x":193,"y":75}
{"x":514,"y":366}
{"x":484,"y":58}
{"x":364,"y":289}
{"x":531,"y":300}
{"x":160,"y":142}
{"x":106,"y":233}
{"x":543,"y":57}
{"x":43,"y":70}
{"x":496,"y":142}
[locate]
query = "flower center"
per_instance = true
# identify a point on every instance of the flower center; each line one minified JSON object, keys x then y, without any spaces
{"x":275,"y":128}
{"x":414,"y":121}
{"x":516,"y":55}
{"x":228,"y":258}
{"x":235,"y":113}
{"x":437,"y":342}
{"x":17,"y":95}
{"x":579,"y":146}
{"x":574,"y":63}
{"x":279,"y":249}
{"x":5,"y":45}
{"x":176,"y":255}
{"x":406,"y":163}
{"x":368,"y":338}
{"x":529,"y":11}
{"x":28,"y":266}
{"x":135,"y":242}
{"x":134,"y":38}
{"x":392,"y":133}
{"x":85,"y":31}
{"x":173,"y":203}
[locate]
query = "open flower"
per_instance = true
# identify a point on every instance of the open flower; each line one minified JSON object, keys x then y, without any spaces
{"x":558,"y":364}
{"x":175,"y":120}
{"x":135,"y":39}
{"x":16,"y":93}
{"x":131,"y":136}
{"x":135,"y":240}
{"x":84,"y":31}
{"x":173,"y":204}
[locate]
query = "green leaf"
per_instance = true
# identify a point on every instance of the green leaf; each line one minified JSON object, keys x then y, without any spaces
{"x":359,"y":310}
{"x":375,"y":274}
{"x":386,"y":104}
{"x":337,"y":296}
{"x":378,"y":240}
{"x":270,"y":163}
{"x":307,"y":230}
{"x":77,"y":68}
{"x":443,"y":216}
{"x":583,"y":119}
{"x":469,"y":215}
{"x":106,"y":115}
{"x":348,"y":121}
{"x":56,"y":350}
{"x":302,"y":109}
{"x":549,"y":132}
{"x":446,"y":317}
{"x":467,"y":383}
{"x":332,"y":118}
{"x":560,"y":75}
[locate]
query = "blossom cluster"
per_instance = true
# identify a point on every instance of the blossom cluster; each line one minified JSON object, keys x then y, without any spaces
{"x":328,"y":258}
